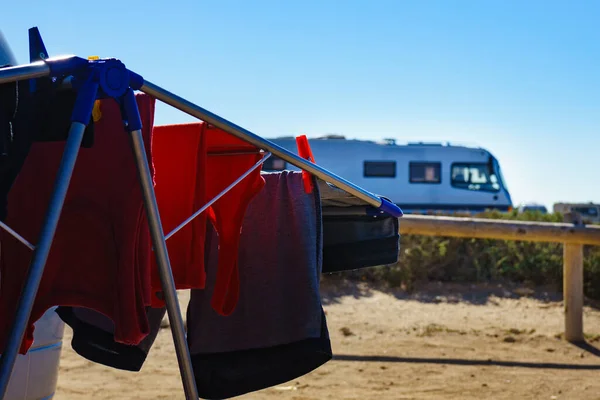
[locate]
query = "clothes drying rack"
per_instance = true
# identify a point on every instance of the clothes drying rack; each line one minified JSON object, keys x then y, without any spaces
{"x":94,"y":79}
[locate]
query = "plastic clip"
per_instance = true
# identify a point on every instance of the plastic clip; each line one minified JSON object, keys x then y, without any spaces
{"x":305,"y":152}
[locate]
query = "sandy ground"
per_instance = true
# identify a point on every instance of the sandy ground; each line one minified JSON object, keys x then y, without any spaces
{"x":442,"y":342}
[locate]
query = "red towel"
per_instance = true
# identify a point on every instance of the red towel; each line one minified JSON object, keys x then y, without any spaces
{"x":179,"y":161}
{"x":227,"y":213}
{"x":181,"y":155}
{"x":99,"y":258}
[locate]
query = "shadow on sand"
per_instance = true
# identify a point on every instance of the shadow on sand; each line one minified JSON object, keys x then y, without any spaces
{"x":333,"y":289}
{"x":474,"y":362}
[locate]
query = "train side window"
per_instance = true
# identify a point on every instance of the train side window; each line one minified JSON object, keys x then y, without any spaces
{"x":274,"y":164}
{"x":425,"y":172}
{"x":379,"y":169}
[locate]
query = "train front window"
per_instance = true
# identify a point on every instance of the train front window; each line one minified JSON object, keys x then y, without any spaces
{"x":474,"y":176}
{"x":501,"y":179}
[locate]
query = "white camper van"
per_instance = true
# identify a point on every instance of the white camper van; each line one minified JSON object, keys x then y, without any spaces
{"x":419,"y":177}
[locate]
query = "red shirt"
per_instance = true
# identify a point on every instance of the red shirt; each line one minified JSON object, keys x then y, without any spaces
{"x":99,"y":257}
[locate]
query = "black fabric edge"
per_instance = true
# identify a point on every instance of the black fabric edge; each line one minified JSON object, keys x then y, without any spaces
{"x":358,"y":255}
{"x":282,"y":363}
{"x":316,"y":351}
{"x":109,"y":352}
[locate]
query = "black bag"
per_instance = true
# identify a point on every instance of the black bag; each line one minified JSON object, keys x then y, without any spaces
{"x":355,"y":234}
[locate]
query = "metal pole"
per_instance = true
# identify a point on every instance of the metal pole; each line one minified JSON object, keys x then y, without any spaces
{"x":22,"y":72}
{"x":164,"y":267}
{"x":40,"y":255}
{"x":205,"y":115}
{"x":16,"y":235}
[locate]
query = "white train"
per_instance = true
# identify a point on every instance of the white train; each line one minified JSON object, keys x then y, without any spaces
{"x":419,"y":177}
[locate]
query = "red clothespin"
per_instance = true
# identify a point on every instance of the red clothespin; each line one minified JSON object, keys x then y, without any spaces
{"x":305,"y":152}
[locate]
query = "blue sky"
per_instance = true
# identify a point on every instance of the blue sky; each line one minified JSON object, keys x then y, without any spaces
{"x":520,"y":78}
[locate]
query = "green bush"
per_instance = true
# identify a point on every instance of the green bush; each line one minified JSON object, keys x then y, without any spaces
{"x":425,"y":258}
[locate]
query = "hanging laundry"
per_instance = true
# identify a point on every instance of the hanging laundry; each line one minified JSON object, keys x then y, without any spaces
{"x":93,"y":337}
{"x":16,"y":135}
{"x":355,"y":234}
{"x":99,"y":258}
{"x":227,"y":213}
{"x":179,"y":158}
{"x":278,"y":330}
{"x":194,"y":163}
{"x":27,"y":116}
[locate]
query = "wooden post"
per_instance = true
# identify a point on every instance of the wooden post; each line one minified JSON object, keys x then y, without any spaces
{"x":573,"y":291}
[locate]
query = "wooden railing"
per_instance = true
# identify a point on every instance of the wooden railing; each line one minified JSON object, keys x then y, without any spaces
{"x":573,"y":237}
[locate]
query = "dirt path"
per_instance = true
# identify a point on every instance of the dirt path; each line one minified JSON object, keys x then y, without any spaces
{"x":445,"y":342}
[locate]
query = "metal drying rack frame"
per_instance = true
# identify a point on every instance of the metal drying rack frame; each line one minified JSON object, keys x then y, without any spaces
{"x":109,"y":78}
